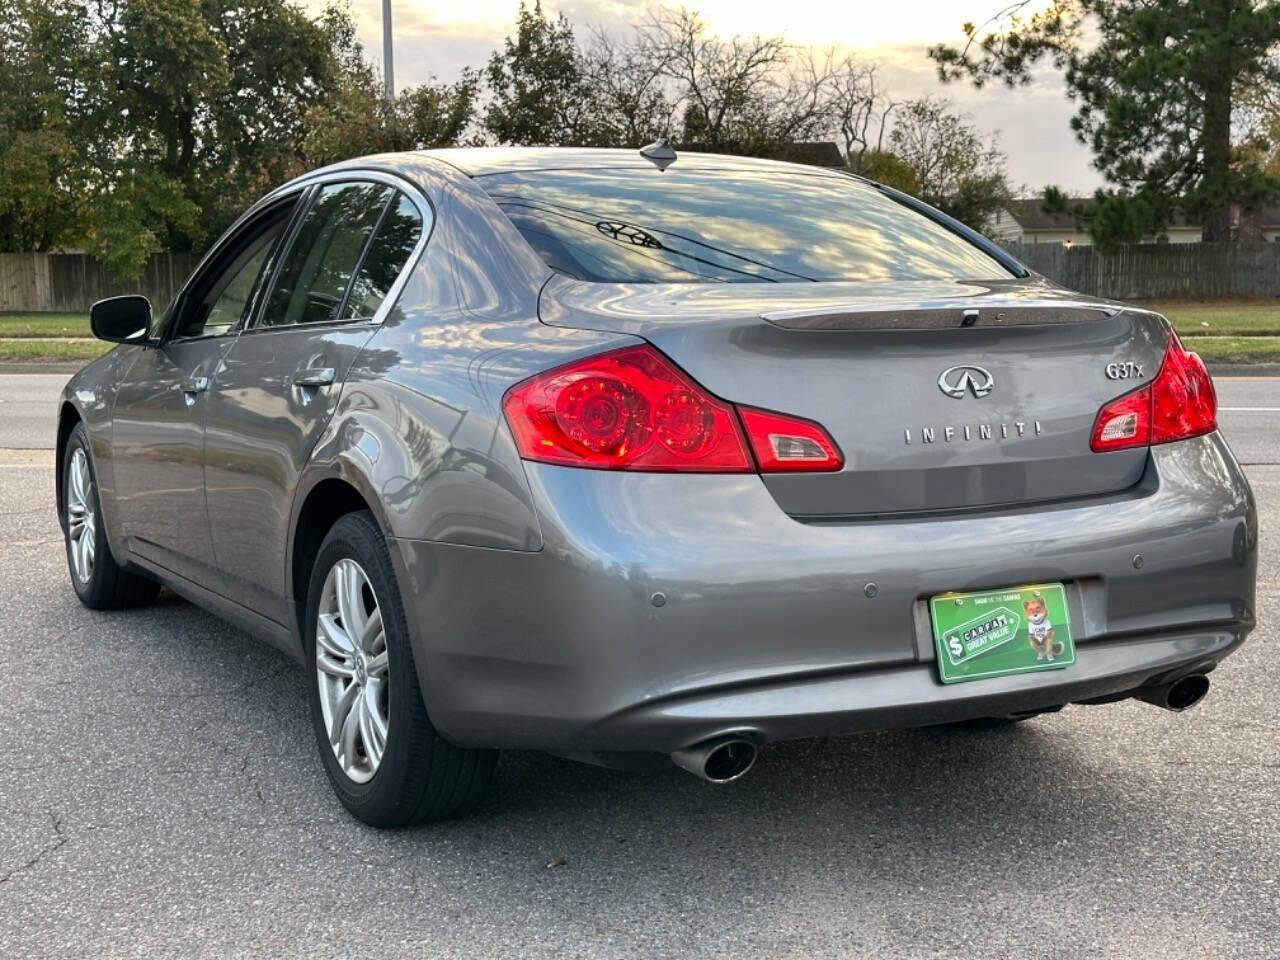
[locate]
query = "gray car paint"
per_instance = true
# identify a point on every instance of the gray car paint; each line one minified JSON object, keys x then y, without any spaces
{"x":531,"y":589}
{"x":874,"y":389}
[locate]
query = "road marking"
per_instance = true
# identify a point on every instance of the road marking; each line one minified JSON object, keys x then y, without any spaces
{"x":1249,"y":409}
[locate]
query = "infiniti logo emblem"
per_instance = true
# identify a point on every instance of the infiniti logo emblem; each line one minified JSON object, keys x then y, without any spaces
{"x":954,"y":381}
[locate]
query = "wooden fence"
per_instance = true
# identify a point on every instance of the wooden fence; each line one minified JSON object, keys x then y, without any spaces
{"x":70,"y":282}
{"x":1153,"y":270}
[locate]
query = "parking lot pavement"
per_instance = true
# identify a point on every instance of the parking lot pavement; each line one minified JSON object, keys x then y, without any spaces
{"x":162,"y":795}
{"x":28,"y":409}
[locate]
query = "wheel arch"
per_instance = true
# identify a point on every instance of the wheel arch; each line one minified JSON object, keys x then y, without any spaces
{"x":321,"y":502}
{"x":68,"y":417}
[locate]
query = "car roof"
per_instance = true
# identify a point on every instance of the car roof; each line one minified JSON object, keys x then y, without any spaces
{"x":482,"y":161}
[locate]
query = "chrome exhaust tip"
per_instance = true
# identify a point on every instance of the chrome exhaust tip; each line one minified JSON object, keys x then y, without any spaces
{"x":1177,"y":696}
{"x":718,"y":761}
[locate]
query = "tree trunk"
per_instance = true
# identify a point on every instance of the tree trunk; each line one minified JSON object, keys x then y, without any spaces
{"x":1217,"y":134}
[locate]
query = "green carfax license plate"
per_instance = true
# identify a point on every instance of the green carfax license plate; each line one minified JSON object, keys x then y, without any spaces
{"x":999,"y":632}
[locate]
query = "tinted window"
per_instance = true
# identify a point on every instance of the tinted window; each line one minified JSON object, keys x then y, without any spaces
{"x":397,"y":235}
{"x":315,"y":273}
{"x":632,"y":225}
{"x":216,"y":299}
{"x":226,"y":310}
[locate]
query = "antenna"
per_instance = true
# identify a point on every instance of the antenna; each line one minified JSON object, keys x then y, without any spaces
{"x":660,"y":153}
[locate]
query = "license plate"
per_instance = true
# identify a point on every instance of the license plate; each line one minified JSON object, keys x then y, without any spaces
{"x":996,"y":633}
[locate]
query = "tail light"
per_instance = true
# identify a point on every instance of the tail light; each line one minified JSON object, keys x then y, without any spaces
{"x":633,"y":409}
{"x":783,"y":443}
{"x":1179,"y":403}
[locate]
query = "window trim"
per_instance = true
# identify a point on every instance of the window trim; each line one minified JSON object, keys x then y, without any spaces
{"x":312,"y":184}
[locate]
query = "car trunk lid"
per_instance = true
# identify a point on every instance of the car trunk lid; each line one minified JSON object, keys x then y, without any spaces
{"x":941,"y":395}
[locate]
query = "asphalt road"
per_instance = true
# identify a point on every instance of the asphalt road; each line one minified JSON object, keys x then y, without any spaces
{"x":161,"y":795}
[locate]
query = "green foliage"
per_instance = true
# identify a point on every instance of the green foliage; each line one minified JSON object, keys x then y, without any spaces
{"x":357,"y":119}
{"x":952,"y":166}
{"x":40,"y":164}
{"x":138,"y":126}
{"x":891,"y":170}
{"x":143,"y":125}
{"x":540,"y":96}
{"x":1157,"y":85}
{"x":138,"y":216}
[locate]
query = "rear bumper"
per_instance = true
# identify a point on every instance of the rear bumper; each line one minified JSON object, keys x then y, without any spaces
{"x":667,"y":609}
{"x":906,"y":696}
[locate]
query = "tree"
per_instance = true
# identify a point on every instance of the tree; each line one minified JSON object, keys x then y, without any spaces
{"x":356,"y":118}
{"x":41,"y":63}
{"x":860,"y":111}
{"x":743,"y":95}
{"x":538,"y":84}
{"x":1157,"y":85}
{"x":630,"y":105}
{"x":952,"y":165}
{"x":133,"y":126}
{"x":891,"y":170}
{"x":1260,"y":139}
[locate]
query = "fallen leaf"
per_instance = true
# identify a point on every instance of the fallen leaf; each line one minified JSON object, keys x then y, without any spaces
{"x":555,"y":862}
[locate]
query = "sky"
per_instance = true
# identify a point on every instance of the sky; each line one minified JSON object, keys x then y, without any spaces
{"x":437,"y":38}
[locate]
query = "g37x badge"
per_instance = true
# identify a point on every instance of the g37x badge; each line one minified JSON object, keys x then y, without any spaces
{"x":1125,"y":371}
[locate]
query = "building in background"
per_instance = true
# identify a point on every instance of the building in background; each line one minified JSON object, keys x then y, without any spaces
{"x":1025,"y":221}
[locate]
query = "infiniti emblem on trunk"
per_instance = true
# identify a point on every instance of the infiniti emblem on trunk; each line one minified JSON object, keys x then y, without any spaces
{"x":954,"y":381}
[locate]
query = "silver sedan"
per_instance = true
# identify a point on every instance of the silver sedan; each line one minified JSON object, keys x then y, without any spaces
{"x":637,"y":457}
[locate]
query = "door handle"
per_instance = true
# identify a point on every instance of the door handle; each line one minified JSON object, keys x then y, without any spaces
{"x":191,"y":386}
{"x":314,"y":377}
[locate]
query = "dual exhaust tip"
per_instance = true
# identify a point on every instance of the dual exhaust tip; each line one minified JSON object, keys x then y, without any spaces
{"x":726,"y":759}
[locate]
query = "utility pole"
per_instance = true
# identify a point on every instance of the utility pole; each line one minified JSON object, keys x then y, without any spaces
{"x":390,"y":91}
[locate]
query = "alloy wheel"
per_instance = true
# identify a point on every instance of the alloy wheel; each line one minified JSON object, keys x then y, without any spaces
{"x":351,"y":670}
{"x":82,"y":530}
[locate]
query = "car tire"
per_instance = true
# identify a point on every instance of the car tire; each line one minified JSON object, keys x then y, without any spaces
{"x":99,"y":581}
{"x":385,"y":760}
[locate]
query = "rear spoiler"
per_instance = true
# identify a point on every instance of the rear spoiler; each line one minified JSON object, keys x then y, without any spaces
{"x":941,"y":316}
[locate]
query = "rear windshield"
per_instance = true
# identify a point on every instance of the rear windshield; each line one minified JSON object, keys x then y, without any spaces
{"x":642,"y":226}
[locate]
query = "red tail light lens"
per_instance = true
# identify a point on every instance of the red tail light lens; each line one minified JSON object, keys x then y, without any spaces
{"x":1180,"y":403}
{"x":1183,"y":401}
{"x":629,"y":409}
{"x":784,"y":444}
{"x":633,"y":409}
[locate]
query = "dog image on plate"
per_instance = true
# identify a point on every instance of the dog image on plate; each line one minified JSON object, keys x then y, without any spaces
{"x":1040,"y":629}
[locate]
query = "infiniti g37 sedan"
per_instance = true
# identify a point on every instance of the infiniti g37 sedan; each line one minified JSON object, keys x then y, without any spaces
{"x":634,"y":458}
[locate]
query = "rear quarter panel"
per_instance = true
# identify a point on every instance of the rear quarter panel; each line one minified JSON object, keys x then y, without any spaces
{"x":419,"y":426}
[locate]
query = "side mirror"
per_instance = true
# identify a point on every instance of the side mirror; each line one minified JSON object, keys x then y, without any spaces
{"x":121,"y":319}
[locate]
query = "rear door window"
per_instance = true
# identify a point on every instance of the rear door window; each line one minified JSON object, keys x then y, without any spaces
{"x":325,"y":254}
{"x":632,"y":225}
{"x":397,"y":235}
